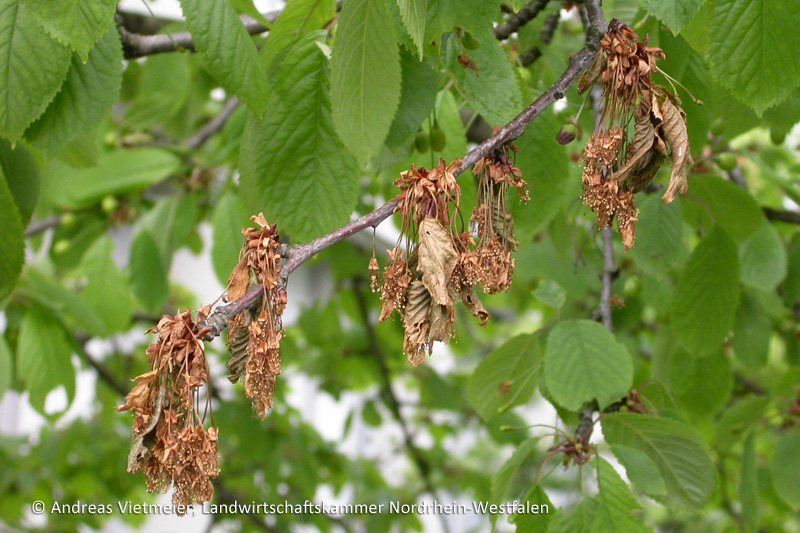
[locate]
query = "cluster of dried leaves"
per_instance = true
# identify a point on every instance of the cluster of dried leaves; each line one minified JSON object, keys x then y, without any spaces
{"x":439,"y":265}
{"x":171,"y":444}
{"x":254,"y":339}
{"x":618,"y":163}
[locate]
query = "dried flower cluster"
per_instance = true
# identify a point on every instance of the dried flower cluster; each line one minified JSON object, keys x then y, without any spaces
{"x":439,"y":265}
{"x":254,"y":340}
{"x":170,"y":443}
{"x":617,"y":166}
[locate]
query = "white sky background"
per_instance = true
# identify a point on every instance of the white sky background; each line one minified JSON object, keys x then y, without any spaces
{"x":327,"y":416}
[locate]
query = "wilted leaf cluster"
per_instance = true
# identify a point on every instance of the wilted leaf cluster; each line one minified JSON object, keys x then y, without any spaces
{"x":170,"y":443}
{"x":440,"y":264}
{"x":619,"y":163}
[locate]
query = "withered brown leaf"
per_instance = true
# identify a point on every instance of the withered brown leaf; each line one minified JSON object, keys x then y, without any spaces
{"x":474,"y":304}
{"x":675,"y":133}
{"x":437,"y":260}
{"x":417,"y":322}
{"x":592,"y":76}
{"x":237,"y":284}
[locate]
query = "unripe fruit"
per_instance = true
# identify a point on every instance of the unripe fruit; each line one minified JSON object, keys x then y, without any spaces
{"x":525,"y":74}
{"x":61,"y":246}
{"x":777,"y":136}
{"x":422,"y":142}
{"x":633,"y":287}
{"x":109,"y":204}
{"x":68,"y":220}
{"x":469,"y":41}
{"x":567,"y":133}
{"x":438,"y":139}
{"x":717,"y":127}
{"x":727,"y":161}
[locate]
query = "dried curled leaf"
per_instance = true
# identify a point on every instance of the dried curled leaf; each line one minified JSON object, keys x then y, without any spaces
{"x":474,"y":304}
{"x":417,"y":323}
{"x":437,"y":260}
{"x":676,"y":134}
{"x":238,"y":339}
{"x":592,"y":76}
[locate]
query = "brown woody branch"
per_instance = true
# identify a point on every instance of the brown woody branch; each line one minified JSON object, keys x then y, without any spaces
{"x":520,"y":19}
{"x":297,"y":255}
{"x":213,"y":126}
{"x":777,"y":215}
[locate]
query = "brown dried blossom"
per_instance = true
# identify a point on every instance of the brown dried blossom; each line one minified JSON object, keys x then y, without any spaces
{"x":170,"y":443}
{"x":254,"y":341}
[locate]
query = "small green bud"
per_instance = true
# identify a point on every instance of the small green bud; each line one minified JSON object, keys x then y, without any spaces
{"x":68,"y":220}
{"x":422,"y":142}
{"x":777,"y":136}
{"x":567,"y":133}
{"x":61,"y":246}
{"x":633,"y":287}
{"x":438,"y":139}
{"x":717,"y":127}
{"x":727,"y":161}
{"x":109,"y":204}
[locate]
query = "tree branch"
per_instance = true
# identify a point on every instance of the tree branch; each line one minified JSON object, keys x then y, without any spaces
{"x":778,"y":215}
{"x":520,"y":19}
{"x":579,"y":62}
{"x":38,"y":226}
{"x":546,"y":36}
{"x":213,"y":126}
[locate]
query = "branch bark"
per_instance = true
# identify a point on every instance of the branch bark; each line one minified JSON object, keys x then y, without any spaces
{"x":297,"y":255}
{"x":520,"y":19}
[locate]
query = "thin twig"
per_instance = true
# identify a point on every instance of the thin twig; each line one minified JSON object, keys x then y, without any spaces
{"x":213,"y":126}
{"x":579,"y":62}
{"x":391,"y":399}
{"x":777,"y":215}
{"x":520,"y":19}
{"x":546,"y":36}
{"x":38,"y":226}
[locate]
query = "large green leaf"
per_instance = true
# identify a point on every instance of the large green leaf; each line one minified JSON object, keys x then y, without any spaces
{"x":502,"y":480}
{"x":507,"y":377}
{"x":148,"y":273}
{"x":228,"y":50}
{"x":660,"y":237}
{"x":365,"y":77}
{"x":702,"y":385}
{"x":85,"y":98}
{"x":43,"y":356}
{"x":247,"y":7}
{"x":763,"y":258}
{"x":715,"y":200}
{"x":753,"y":46}
{"x":673,"y":13}
{"x":786,"y":468}
{"x":107,"y":291}
{"x":641,"y":470}
{"x":77,"y":24}
{"x":170,"y":223}
{"x":164,"y":86}
{"x":579,"y":519}
{"x":707,"y":294}
{"x":117,"y":172}
{"x":493,"y":89}
{"x":228,"y":219}
{"x":533,"y":522}
{"x":417,"y":98}
{"x":299,"y":18}
{"x":6,"y":366}
{"x":737,"y":421}
{"x":21,"y":171}
{"x":32,"y":69}
{"x":12,"y":244}
{"x":748,"y":487}
{"x":294,"y":167}
{"x":616,"y":502}
{"x":583,"y":362}
{"x":676,"y":449}
{"x":414,"y":13}
{"x":545,"y":166}
{"x":475,"y":16}
{"x":752,"y":331}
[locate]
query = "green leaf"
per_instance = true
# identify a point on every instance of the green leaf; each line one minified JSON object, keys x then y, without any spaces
{"x":737,"y":420}
{"x":752,"y":332}
{"x":247,"y":7}
{"x":414,"y":13}
{"x":21,"y":171}
{"x":641,"y":470}
{"x":43,"y":356}
{"x":752,"y":47}
{"x":545,"y":166}
{"x":707,"y":294}
{"x":501,"y":481}
{"x":371,"y":415}
{"x":6,"y":366}
{"x":676,"y":449}
{"x":79,"y":25}
{"x":791,"y":286}
{"x":550,"y":293}
{"x":12,"y":245}
{"x":493,"y":90}
{"x":583,"y":362}
{"x":164,"y":87}
{"x":228,"y":50}
{"x":33,"y":67}
{"x":748,"y":487}
{"x":171,"y":222}
{"x":299,"y":18}
{"x":579,"y":519}
{"x":507,"y":377}
{"x":616,"y":502}
{"x":417,"y":98}
{"x":85,"y":98}
{"x":228,"y":219}
{"x":365,"y":77}
{"x":660,"y":244}
{"x":118,"y":172}
{"x":702,"y":385}
{"x":786,"y":468}
{"x":107,"y":291}
{"x":294,"y":167}
{"x":673,"y":13}
{"x":475,"y":16}
{"x":763,"y":258}
{"x":148,"y":274}
{"x":731,"y":206}
{"x":532,"y":522}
